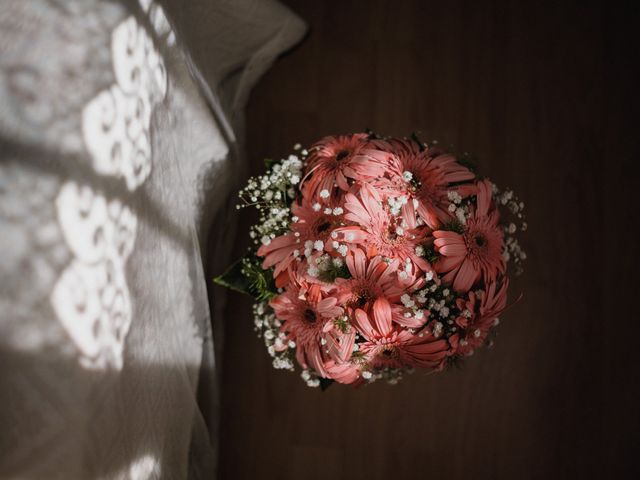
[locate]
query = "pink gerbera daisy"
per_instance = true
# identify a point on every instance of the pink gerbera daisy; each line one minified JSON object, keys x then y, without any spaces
{"x":371,"y":279}
{"x":477,"y":251}
{"x":335,"y":159}
{"x":313,"y":223}
{"x":307,"y":312}
{"x":381,"y":232}
{"x":426,"y":176}
{"x":389,"y":346}
{"x":482,"y":310}
{"x":375,"y":282}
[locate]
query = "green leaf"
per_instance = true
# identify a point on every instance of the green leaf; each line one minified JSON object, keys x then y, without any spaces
{"x":342,"y":324}
{"x":234,"y":279}
{"x":430,"y":255}
{"x":332,"y":272}
{"x":247,"y":276}
{"x":269,"y":162}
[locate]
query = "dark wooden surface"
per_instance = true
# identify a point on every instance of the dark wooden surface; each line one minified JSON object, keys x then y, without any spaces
{"x":545,"y":94}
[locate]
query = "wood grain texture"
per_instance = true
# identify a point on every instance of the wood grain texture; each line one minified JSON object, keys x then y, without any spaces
{"x":545,"y":94}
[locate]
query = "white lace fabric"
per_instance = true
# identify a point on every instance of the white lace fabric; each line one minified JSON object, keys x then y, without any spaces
{"x":105,"y":312}
{"x":115,"y":154}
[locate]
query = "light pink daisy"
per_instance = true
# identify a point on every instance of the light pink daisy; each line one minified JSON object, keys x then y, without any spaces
{"x":381,"y":232}
{"x":334,"y":160}
{"x":307,"y":313}
{"x":425,"y":176}
{"x":477,"y":252}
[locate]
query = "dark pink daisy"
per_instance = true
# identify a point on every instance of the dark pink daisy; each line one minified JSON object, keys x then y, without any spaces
{"x":480,"y":311}
{"x":476,"y":252}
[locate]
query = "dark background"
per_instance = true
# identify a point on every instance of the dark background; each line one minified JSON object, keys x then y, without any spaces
{"x":545,"y":94}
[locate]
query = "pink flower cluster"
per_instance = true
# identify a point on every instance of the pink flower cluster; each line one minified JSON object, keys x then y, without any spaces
{"x":393,"y":260}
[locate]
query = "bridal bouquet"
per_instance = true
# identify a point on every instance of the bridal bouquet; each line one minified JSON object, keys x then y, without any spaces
{"x":374,"y":257}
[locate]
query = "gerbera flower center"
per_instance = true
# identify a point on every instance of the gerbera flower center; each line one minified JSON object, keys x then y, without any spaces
{"x":342,"y":154}
{"x":321,"y":226}
{"x":387,"y":352}
{"x":480,"y":240}
{"x":392,"y":238}
{"x":387,"y":356}
{"x":309,"y":316}
{"x":392,"y":234}
{"x":362,"y":296}
{"x":483,"y":243}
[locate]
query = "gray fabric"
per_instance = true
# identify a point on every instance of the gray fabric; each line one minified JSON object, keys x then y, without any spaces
{"x":234,"y":41}
{"x":116,"y":153}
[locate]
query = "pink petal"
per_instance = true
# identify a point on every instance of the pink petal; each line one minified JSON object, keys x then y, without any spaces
{"x":276,"y":256}
{"x":446,"y":264}
{"x":359,"y":235}
{"x":361,"y":320}
{"x":359,"y":262}
{"x":453,"y":250}
{"x":441,"y":242}
{"x":315,"y":359}
{"x":277,"y":243}
{"x":466,"y":276}
{"x":449,"y":277}
{"x":343,"y":373}
{"x":449,"y":236}
{"x":483,"y":197}
{"x":327,"y":303}
{"x":356,"y":211}
{"x":382,"y":316}
{"x":420,"y":262}
{"x":282,"y":266}
{"x":410,"y":322}
{"x":340,"y":345}
{"x":409,"y":214}
{"x":341,"y":181}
